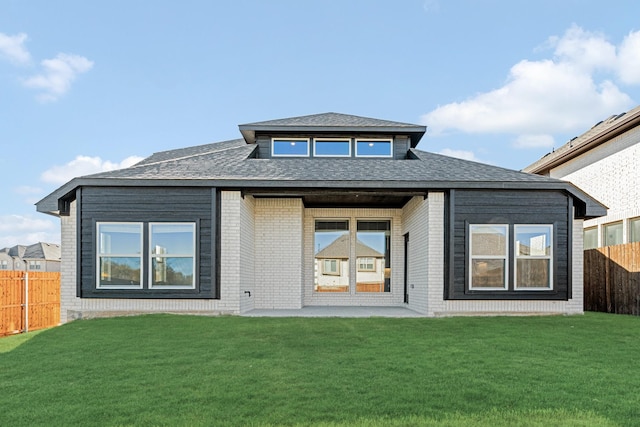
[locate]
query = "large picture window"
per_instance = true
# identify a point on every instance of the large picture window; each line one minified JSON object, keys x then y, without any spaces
{"x":373,"y":249}
{"x":332,"y":248}
{"x":119,"y":255}
{"x":526,"y":265}
{"x":489,"y":256}
{"x":170,"y":261}
{"x":534,"y":257}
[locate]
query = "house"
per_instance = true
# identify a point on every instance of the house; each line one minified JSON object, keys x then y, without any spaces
{"x":604,"y":162}
{"x":248,"y":224}
{"x":40,"y":256}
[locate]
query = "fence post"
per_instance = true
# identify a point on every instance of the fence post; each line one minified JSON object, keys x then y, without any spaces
{"x":26,"y":302}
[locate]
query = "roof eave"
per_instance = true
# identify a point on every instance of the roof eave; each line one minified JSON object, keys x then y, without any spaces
{"x":544,"y":165}
{"x":415,"y":132}
{"x":592,"y":208}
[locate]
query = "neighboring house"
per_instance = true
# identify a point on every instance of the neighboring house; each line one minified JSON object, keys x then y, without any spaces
{"x":604,"y":162}
{"x":37,"y":257}
{"x":239,"y":225}
{"x":332,"y":267}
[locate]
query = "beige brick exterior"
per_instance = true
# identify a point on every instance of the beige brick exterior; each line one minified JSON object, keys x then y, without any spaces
{"x":278,"y":251}
{"x":415,"y":222}
{"x":609,"y":173}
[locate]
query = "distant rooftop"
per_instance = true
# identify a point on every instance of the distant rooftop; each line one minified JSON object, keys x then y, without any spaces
{"x":600,"y":133}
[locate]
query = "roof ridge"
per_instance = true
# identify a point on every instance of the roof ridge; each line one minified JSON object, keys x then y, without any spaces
{"x":305,"y":119}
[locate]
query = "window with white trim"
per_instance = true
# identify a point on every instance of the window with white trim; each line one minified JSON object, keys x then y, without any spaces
{"x":366,"y":264}
{"x":35,"y":265}
{"x":172,"y":255}
{"x":170,"y":262}
{"x":331,"y":267}
{"x":119,"y":255}
{"x":612,"y":234}
{"x":290,"y":147}
{"x":590,"y":238}
{"x":4,"y":265}
{"x":374,"y":147}
{"x":488,"y":260}
{"x":332,"y":147}
{"x":533,"y":256}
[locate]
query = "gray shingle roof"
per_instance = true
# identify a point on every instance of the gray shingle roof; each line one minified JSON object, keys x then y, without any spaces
{"x":339,"y":249}
{"x":234,"y":164}
{"x":332,"y":122}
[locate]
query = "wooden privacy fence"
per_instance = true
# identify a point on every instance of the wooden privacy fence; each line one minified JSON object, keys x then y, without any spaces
{"x":612,"y":279}
{"x":28,"y":301}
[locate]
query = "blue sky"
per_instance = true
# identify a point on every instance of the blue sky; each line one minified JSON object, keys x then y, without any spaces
{"x":92,"y":86}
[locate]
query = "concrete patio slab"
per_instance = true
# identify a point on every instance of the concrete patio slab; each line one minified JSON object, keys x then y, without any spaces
{"x":335,"y":311}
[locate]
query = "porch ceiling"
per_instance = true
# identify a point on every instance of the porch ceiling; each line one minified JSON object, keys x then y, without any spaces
{"x":346,"y":199}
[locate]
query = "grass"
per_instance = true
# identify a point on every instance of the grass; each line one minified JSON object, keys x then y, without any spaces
{"x":186,"y":370}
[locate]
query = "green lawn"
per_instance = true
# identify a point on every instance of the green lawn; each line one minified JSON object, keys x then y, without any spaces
{"x":186,"y":370}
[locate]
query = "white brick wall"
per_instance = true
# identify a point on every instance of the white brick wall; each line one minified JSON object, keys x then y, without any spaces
{"x":68,"y":246}
{"x":278,"y":253}
{"x":436,"y":253}
{"x":247,"y":254}
{"x":415,"y":221}
{"x":610,"y":173}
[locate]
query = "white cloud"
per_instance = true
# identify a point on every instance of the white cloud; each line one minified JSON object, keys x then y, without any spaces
{"x":84,"y":165}
{"x":12,"y":48}
{"x":585,"y":50}
{"x":629,"y":59}
{"x":26,"y":230}
{"x":534,"y":141}
{"x":58,"y":74}
{"x":565,"y":94}
{"x":460,"y":154}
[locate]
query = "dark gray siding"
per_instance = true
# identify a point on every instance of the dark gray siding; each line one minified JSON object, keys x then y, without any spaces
{"x":401,"y":144}
{"x":264,"y":147}
{"x":507,"y":207}
{"x":148,"y":204}
{"x":400,"y":147}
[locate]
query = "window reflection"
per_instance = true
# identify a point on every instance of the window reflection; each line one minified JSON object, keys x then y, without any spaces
{"x":373,"y":249}
{"x":331,"y":243}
